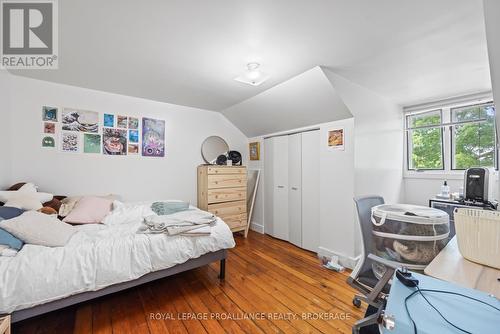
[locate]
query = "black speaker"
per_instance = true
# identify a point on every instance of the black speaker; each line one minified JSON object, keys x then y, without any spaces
{"x":476,"y":184}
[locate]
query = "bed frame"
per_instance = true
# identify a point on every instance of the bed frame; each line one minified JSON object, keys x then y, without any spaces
{"x":203,"y":260}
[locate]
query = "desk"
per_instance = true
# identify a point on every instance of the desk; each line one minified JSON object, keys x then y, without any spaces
{"x":450,"y":266}
{"x":468,"y":314}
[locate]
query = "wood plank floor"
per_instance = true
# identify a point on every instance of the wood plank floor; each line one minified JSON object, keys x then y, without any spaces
{"x":271,"y":286}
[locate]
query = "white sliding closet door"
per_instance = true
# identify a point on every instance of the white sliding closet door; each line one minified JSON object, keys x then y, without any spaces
{"x":295,"y":188}
{"x":310,"y":190}
{"x":280,"y":198}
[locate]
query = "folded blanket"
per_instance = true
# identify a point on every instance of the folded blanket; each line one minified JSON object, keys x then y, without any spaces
{"x":178,"y":223}
{"x":200,"y":231}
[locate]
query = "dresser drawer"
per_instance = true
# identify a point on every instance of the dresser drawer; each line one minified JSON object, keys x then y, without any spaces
{"x":226,"y":170}
{"x":226,"y":181}
{"x":234,"y":221}
{"x":226,"y":195}
{"x":228,"y":208}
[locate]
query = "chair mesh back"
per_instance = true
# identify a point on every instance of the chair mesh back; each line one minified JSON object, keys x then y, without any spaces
{"x":364,"y":205}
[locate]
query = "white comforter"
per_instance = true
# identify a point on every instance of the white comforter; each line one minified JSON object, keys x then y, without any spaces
{"x":98,"y":256}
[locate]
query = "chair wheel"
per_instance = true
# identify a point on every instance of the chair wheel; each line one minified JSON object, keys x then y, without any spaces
{"x":356,"y":302}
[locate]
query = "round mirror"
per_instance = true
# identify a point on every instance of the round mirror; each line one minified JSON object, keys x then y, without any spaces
{"x":212,"y":147}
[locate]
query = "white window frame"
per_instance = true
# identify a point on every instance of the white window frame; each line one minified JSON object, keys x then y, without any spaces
{"x":445,"y":107}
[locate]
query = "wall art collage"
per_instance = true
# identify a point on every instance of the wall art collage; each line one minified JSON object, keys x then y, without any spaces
{"x":80,"y":131}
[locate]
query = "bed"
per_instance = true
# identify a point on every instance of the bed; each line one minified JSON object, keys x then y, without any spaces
{"x":102,"y":259}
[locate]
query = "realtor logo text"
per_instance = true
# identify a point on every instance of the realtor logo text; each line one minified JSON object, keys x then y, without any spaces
{"x":29,"y":34}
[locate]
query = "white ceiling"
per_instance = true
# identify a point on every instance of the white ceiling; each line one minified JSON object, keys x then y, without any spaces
{"x":188,"y":52}
{"x":307,"y":99}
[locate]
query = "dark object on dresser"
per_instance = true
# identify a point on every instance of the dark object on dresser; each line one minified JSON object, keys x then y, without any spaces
{"x":235,"y":157}
{"x":221,"y":160}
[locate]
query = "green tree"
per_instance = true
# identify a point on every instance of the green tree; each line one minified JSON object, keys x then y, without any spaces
{"x":427,"y":152}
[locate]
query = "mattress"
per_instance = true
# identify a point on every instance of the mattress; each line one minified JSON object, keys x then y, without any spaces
{"x":98,"y":256}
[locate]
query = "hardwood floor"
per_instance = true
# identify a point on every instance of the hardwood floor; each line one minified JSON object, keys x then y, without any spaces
{"x":271,"y":286}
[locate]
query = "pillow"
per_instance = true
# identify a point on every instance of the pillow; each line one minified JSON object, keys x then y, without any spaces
{"x":89,"y":210}
{"x":25,"y":203}
{"x":69,"y":203}
{"x":6,"y":238}
{"x":36,"y":228}
{"x":167,"y":208}
{"x":8,"y":213}
{"x":26,"y":197}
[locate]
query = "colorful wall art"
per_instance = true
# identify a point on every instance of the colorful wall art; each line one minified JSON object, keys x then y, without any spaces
{"x":49,"y":114}
{"x":153,"y":137}
{"x":49,"y":127}
{"x":48,"y":142}
{"x":80,"y":120}
{"x":133,"y":149}
{"x":133,"y":123}
{"x":114,"y":142}
{"x":121,"y":122}
{"x":109,"y":120}
{"x":133,"y":136}
{"x":336,"y":139}
{"x":91,"y":143}
{"x":69,"y":142}
{"x":84,"y":131}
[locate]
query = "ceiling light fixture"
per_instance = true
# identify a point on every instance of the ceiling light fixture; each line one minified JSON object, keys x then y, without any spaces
{"x":252,"y":76}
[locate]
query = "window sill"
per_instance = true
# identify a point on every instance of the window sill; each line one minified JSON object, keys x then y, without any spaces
{"x":441,"y":175}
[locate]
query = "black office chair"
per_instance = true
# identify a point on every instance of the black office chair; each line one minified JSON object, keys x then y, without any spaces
{"x":373,"y":290}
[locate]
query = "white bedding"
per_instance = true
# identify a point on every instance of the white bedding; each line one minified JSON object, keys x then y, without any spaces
{"x":98,"y":256}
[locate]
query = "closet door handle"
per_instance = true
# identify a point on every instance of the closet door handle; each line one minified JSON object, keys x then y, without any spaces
{"x":295,"y":188}
{"x":281,"y":186}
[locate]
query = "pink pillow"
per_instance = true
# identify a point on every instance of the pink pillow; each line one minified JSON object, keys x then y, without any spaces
{"x":89,"y":210}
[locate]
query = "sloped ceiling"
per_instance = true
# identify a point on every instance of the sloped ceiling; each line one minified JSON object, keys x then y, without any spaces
{"x":187,"y":52}
{"x":304,"y":100}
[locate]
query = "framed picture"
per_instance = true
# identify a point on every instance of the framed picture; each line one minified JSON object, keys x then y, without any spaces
{"x":254,"y":150}
{"x":49,"y":114}
{"x":114,"y":141}
{"x":80,"y":120}
{"x":153,"y":137}
{"x":336,"y":139}
{"x":109,"y":120}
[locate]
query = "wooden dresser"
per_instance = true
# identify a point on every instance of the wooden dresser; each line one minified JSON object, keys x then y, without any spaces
{"x":5,"y":324}
{"x":222,"y":190}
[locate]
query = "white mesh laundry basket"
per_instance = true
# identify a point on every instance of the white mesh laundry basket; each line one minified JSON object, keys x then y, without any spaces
{"x":409,"y":234}
{"x":478,"y":235}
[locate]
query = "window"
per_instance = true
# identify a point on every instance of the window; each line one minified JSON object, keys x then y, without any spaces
{"x":452,"y":138}
{"x":425,"y":140}
{"x":473,"y":136}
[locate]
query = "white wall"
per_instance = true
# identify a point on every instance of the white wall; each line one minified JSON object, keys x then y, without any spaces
{"x":420,"y":190}
{"x":492,"y":22}
{"x":5,"y":139}
{"x":132,"y":177}
{"x":378,"y":144}
{"x":337,"y":183}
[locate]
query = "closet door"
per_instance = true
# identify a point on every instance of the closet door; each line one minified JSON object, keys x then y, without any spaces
{"x":280,"y":198}
{"x":310,"y":190}
{"x":295,"y":188}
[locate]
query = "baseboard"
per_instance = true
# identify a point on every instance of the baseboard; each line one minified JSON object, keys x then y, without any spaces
{"x":257,"y":227}
{"x":346,"y":261}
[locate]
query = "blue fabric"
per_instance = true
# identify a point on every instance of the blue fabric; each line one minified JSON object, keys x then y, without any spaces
{"x":5,"y":237}
{"x":7,"y":212}
{"x":167,"y":208}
